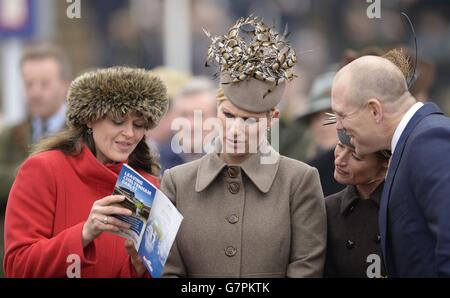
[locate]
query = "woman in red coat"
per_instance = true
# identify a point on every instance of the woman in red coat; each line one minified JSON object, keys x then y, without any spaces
{"x":60,"y":205}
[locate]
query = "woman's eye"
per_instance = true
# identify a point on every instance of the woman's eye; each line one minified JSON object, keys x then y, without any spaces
{"x":138,"y":125}
{"x":228,"y":115}
{"x":357,"y":157}
{"x":250,"y":121}
{"x":117,"y":122}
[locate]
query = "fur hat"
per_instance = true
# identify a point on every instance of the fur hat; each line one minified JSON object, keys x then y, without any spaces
{"x":116,"y":91}
{"x":255,"y":63}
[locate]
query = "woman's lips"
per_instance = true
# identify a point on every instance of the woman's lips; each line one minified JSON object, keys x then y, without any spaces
{"x":340,"y":171}
{"x":235,"y":141}
{"x":123,"y":145}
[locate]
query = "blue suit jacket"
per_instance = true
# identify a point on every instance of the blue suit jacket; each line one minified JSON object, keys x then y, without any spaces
{"x":414,"y":217}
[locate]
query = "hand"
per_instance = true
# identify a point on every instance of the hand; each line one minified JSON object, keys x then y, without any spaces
{"x":100,"y":219}
{"x":136,"y":260}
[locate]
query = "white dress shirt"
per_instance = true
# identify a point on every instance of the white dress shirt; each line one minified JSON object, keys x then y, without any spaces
{"x":54,"y":124}
{"x":402,"y":125}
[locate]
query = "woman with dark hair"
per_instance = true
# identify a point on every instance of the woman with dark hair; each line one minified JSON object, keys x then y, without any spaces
{"x":353,"y":241}
{"x":61,"y":204}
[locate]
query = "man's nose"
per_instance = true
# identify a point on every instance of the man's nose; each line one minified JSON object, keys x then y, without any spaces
{"x":34,"y":91}
{"x":339,"y":124}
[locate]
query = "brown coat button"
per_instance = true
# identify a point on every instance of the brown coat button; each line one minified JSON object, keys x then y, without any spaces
{"x":230,"y":251}
{"x":233,"y":187}
{"x":233,"y":218}
{"x":232,"y":172}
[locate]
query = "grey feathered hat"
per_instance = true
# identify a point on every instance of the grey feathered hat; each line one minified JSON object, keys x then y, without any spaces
{"x":116,"y":91}
{"x":255,"y":63}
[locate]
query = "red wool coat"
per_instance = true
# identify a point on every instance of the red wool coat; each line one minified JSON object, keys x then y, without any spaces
{"x":48,"y":204}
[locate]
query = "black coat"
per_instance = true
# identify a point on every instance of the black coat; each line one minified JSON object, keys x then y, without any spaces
{"x":353,"y":241}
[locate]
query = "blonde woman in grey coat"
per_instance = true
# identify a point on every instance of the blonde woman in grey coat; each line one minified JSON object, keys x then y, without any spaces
{"x":248,"y":211}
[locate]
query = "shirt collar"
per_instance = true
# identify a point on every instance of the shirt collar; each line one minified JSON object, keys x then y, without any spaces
{"x":57,"y":121}
{"x":260,"y":167}
{"x":54,"y":123}
{"x":350,"y":195}
{"x":402,"y":125}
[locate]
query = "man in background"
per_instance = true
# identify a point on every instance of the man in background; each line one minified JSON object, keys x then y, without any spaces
{"x":46,"y":75}
{"x":196,"y":99}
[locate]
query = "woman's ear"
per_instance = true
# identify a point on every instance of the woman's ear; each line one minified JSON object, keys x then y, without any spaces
{"x":273,"y":114}
{"x":89,"y":124}
{"x":276,"y":114}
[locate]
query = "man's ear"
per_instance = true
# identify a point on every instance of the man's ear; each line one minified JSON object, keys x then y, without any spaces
{"x":376,"y":109}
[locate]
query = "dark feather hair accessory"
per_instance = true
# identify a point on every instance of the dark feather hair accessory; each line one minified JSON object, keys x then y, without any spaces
{"x":252,"y":49}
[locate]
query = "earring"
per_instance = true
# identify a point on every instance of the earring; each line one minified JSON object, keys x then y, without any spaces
{"x":89,"y":131}
{"x":269,"y":134}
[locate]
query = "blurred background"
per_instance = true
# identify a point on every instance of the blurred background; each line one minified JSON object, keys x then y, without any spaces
{"x":151,"y":33}
{"x":167,"y":35}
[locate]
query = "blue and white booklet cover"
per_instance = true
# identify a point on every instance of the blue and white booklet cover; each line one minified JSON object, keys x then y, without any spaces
{"x":155,"y":220}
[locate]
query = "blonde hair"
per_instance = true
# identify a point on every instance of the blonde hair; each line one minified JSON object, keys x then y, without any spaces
{"x":220,"y":96}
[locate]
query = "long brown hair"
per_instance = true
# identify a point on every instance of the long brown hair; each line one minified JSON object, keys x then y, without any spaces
{"x":71,"y":141}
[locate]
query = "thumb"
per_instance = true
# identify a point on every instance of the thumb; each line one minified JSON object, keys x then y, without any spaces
{"x":135,"y":258}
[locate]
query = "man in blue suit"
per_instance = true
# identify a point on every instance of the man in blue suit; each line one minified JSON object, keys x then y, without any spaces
{"x":372,"y":103}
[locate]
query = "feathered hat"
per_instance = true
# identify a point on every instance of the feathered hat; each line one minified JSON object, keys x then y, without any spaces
{"x":116,"y":91}
{"x":255,"y":63}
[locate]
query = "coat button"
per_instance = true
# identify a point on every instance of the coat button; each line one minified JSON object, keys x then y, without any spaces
{"x":233,"y":172}
{"x":351,"y":208}
{"x":233,"y":218}
{"x":230,"y":251}
{"x":233,"y":187}
{"x":377,"y":239}
{"x":350,"y":244}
